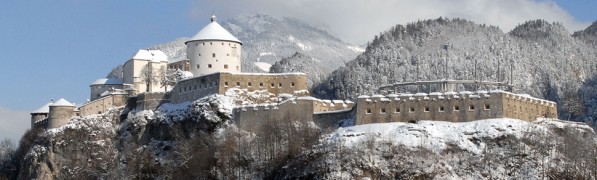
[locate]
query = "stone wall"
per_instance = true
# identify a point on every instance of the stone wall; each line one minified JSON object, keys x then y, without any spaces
{"x":218,"y":83}
{"x":60,"y":115}
{"x":450,"y":106}
{"x":39,"y":119}
{"x":147,"y":101}
{"x":102,"y":105}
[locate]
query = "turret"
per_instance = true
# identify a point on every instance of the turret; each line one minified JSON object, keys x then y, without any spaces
{"x":61,"y":112}
{"x":213,"y":50}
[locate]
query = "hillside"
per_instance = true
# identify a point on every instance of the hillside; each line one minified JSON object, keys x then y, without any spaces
{"x":299,"y":62}
{"x":588,"y":35}
{"x":544,"y":60}
{"x":268,"y":39}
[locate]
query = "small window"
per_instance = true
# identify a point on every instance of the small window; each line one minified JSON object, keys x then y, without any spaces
{"x":209,"y":66}
{"x":199,"y":54}
{"x":471,"y":107}
{"x":292,"y":84}
{"x":441,"y":109}
{"x":368,"y":111}
{"x":382,"y":110}
{"x":227,"y":54}
{"x":273,"y":85}
{"x":456,"y":108}
{"x":225,"y":66}
{"x":213,"y":54}
{"x":487,"y":107}
{"x":197,"y":66}
{"x":279,"y":84}
{"x":237,"y":84}
{"x":222,"y":44}
{"x":237,"y":68}
{"x":204,"y":44}
{"x":397,"y":110}
{"x":412,"y":109}
{"x":225,"y":83}
{"x":261,"y":84}
{"x":426,"y":109}
{"x":211,"y":43}
{"x":249,"y":84}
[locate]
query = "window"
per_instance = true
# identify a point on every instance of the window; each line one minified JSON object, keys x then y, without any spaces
{"x":368,"y":111}
{"x":382,"y":110}
{"x":456,"y":108}
{"x":397,"y":110}
{"x":204,"y":44}
{"x":249,"y":84}
{"x":471,"y":107}
{"x":292,"y":84}
{"x":237,"y":84}
{"x":225,"y":66}
{"x":222,"y":44}
{"x":199,"y":54}
{"x":197,"y":66}
{"x":261,"y":84}
{"x":225,"y":83}
{"x":208,"y":65}
{"x":412,"y":109}
{"x":426,"y":109}
{"x":213,"y":54}
{"x":227,"y":54}
{"x":487,"y":107}
{"x":273,"y":85}
{"x":279,"y":84}
{"x":441,"y":109}
{"x":211,"y":43}
{"x":237,"y":68}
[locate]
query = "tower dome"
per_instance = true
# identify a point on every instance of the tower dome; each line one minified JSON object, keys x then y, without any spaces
{"x":213,"y":49}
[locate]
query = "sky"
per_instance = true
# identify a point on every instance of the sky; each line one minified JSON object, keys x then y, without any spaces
{"x":55,"y":49}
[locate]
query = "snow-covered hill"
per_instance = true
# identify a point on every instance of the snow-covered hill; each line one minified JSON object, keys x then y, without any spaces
{"x":485,"y":149}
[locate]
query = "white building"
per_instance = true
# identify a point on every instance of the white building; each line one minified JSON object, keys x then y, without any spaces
{"x":143,"y":69}
{"x":214,"y":49}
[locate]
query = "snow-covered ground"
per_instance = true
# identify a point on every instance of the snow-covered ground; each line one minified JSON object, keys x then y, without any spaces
{"x":263,"y":66}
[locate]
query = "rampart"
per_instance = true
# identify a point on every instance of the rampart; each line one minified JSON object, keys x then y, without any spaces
{"x":153,"y":100}
{"x":219,"y":83}
{"x":451,"y":106}
{"x":301,"y":109}
{"x":102,"y":104}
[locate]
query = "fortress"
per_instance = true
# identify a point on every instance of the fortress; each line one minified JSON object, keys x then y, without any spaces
{"x":213,"y":66}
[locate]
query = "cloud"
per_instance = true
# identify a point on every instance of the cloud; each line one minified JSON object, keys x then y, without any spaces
{"x":359,"y":21}
{"x":13,"y":124}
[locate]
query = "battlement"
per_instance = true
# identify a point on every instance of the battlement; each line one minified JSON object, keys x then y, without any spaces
{"x":451,"y":106}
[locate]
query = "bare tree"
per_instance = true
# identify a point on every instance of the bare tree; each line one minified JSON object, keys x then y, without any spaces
{"x":148,"y":76}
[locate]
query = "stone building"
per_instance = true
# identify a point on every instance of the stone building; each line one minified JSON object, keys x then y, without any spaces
{"x":103,"y":85}
{"x":451,"y":106}
{"x":53,"y":114}
{"x":141,"y":70}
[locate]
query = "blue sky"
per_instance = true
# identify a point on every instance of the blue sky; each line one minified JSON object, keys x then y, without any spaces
{"x":55,"y":49}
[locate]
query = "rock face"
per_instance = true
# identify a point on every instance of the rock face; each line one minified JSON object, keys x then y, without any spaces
{"x":267,"y":39}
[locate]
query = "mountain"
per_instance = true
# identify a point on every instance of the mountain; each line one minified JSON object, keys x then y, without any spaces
{"x":268,"y":39}
{"x":544,"y":60}
{"x":299,"y":62}
{"x":588,"y":35}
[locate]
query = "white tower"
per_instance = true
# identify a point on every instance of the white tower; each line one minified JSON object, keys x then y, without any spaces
{"x":213,"y":50}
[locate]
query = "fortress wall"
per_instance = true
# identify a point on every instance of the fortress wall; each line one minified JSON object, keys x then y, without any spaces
{"x":195,"y":88}
{"x":102,"y":105}
{"x":60,"y":115}
{"x":198,"y":87}
{"x":97,"y":90}
{"x":277,"y":84}
{"x":330,"y":119}
{"x":146,"y":101}
{"x":331,"y":105}
{"x":408,"y":108}
{"x":253,"y":117}
{"x":528,"y":108}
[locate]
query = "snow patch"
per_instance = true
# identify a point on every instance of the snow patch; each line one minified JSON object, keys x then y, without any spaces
{"x":263,"y":66}
{"x":356,"y":49}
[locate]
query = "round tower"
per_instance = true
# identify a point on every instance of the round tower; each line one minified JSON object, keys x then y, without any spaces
{"x":213,"y":50}
{"x":61,"y":112}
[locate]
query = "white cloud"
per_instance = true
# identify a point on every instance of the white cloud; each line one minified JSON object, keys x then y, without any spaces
{"x":358,"y":20}
{"x":13,"y":124}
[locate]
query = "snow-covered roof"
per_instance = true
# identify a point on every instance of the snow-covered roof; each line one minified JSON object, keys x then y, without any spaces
{"x":62,"y":102}
{"x":214,"y":31}
{"x":151,"y":55}
{"x":106,"y":81}
{"x":43,"y":109}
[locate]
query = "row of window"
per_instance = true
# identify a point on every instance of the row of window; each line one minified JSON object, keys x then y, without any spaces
{"x":261,"y":84}
{"x":427,"y":109}
{"x":211,"y":43}
{"x":214,"y":55}
{"x":210,"y":66}
{"x":197,"y":87}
